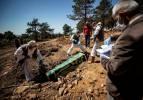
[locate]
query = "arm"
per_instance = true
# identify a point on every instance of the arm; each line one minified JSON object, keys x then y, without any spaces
{"x":72,"y":37}
{"x":115,"y":37}
{"x":39,"y":56}
{"x":122,"y":55}
{"x":19,"y":55}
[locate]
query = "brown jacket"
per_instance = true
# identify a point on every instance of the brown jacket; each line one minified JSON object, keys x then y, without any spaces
{"x":125,"y":67}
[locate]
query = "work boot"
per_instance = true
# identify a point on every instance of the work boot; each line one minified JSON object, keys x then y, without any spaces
{"x":68,"y":56}
{"x":86,"y":55}
{"x":92,"y":60}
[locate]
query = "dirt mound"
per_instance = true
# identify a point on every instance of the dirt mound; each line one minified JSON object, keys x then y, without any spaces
{"x":84,"y":82}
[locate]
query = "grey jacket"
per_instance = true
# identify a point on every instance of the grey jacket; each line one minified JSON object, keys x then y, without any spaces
{"x":125,"y":68}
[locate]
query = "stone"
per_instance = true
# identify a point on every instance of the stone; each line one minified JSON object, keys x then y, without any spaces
{"x":15,"y":97}
{"x":32,"y":96}
{"x":102,"y":85}
{"x":92,"y":82}
{"x":75,"y":82}
{"x":90,"y":90}
{"x":61,"y":91}
{"x":78,"y":75}
{"x":60,"y":81}
{"x":72,"y":75}
{"x":70,"y":86}
{"x":65,"y":91}
{"x":44,"y":84}
{"x":78,"y":70}
{"x":96,"y":92}
{"x":55,"y":86}
{"x":21,"y":89}
{"x":101,"y":72}
{"x":35,"y":86}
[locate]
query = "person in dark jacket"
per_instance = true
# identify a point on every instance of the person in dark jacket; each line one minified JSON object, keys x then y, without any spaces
{"x":125,"y":66}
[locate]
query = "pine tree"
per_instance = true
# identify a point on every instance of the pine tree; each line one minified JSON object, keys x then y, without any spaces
{"x":45,"y":30}
{"x":103,"y":11}
{"x":67,"y":29}
{"x":33,"y":28}
{"x":82,"y":9}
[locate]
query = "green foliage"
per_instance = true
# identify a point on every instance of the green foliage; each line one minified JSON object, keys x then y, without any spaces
{"x":4,"y":42}
{"x":24,"y":36}
{"x":1,"y":36}
{"x":9,"y":35}
{"x":33,"y":28}
{"x":67,"y":29}
{"x":39,"y":30}
{"x":82,"y":9}
{"x":103,"y":12}
{"x":80,"y":25}
{"x":45,"y":30}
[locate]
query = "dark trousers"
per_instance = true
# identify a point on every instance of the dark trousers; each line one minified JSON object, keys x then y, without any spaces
{"x":87,"y":40}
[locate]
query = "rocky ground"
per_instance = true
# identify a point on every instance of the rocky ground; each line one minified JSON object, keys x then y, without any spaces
{"x":82,"y":82}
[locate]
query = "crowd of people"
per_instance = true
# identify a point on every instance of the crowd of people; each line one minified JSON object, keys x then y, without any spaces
{"x":124,"y":67}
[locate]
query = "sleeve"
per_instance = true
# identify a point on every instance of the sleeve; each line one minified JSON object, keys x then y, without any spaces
{"x":39,"y":56}
{"x":72,"y":37}
{"x":19,"y":54}
{"x":121,"y":56}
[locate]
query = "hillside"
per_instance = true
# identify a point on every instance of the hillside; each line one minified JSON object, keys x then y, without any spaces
{"x":82,"y":82}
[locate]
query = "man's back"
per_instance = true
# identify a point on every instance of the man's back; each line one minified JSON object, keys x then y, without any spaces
{"x":126,"y":61}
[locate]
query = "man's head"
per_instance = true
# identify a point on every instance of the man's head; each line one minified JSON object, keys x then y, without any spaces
{"x":124,"y":7}
{"x":124,"y":10}
{"x":32,"y":44}
{"x":78,"y":33}
{"x":99,"y":23}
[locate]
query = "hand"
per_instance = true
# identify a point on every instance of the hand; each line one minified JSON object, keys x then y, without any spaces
{"x":40,"y":62}
{"x":78,"y":42}
{"x":102,"y":56}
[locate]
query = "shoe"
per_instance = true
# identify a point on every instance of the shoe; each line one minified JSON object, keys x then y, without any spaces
{"x":68,"y":55}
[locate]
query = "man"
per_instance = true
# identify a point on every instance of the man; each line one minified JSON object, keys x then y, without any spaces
{"x":75,"y":38}
{"x":125,"y":66}
{"x":28,"y":56}
{"x":96,"y":32}
{"x":87,"y":33}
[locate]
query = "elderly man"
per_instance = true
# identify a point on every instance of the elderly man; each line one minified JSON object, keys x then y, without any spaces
{"x":125,"y":66}
{"x":28,"y":56}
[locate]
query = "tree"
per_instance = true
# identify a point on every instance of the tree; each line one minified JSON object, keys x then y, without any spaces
{"x":33,"y":28}
{"x":103,"y":11}
{"x":24,"y":36}
{"x":1,"y":36}
{"x":82,"y":9}
{"x":9,"y":35}
{"x":67,"y":29}
{"x":45,"y":30}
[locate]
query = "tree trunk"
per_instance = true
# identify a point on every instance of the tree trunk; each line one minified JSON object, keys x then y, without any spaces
{"x":85,"y":14}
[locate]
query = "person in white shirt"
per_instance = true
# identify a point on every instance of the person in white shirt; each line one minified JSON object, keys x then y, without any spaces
{"x":75,"y":38}
{"x":27,"y":56}
{"x":96,"y":32}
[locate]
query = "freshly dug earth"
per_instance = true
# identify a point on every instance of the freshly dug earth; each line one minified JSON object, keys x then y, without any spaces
{"x":82,"y":82}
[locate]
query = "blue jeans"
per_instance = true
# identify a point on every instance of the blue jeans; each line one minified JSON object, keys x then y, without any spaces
{"x":87,"y":40}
